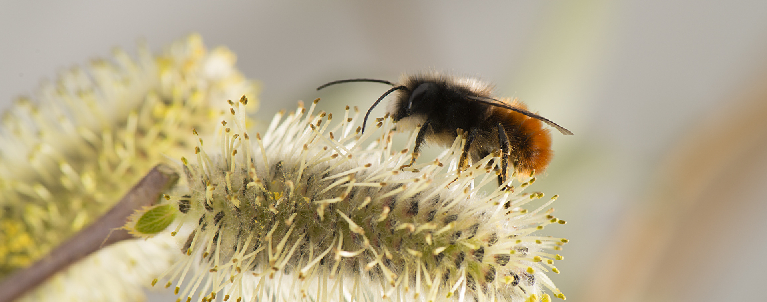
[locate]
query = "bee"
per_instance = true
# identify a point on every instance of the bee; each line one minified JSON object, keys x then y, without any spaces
{"x":442,"y":105}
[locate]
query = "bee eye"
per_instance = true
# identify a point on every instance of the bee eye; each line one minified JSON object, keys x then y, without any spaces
{"x":417,"y":93}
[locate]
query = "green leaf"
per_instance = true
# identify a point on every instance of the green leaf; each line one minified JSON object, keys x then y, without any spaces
{"x":156,"y":219}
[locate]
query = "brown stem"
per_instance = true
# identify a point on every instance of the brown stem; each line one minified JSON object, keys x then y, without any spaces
{"x":103,"y":232}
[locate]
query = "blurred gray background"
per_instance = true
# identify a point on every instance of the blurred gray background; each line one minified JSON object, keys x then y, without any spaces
{"x":663,"y":183}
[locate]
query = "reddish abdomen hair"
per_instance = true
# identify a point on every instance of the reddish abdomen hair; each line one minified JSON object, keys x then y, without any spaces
{"x":530,"y":141}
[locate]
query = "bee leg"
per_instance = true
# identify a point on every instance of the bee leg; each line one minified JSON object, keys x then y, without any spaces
{"x":419,"y":139}
{"x":503,"y":140}
{"x":463,"y":162}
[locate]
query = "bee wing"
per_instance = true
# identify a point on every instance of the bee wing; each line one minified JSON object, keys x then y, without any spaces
{"x":499,"y":103}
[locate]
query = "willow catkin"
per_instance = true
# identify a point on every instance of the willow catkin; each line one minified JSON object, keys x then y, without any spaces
{"x":315,"y":211}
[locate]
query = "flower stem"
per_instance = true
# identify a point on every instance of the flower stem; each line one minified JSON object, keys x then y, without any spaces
{"x":103,"y":232}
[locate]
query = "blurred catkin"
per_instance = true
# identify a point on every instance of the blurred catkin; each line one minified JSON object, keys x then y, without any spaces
{"x":69,"y":155}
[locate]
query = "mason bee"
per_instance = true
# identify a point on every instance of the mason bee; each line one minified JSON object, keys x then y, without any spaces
{"x":443,"y":104}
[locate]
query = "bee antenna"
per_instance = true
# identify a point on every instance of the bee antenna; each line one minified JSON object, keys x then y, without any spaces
{"x":356,"y":80}
{"x":393,"y":89}
{"x":499,"y":103}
